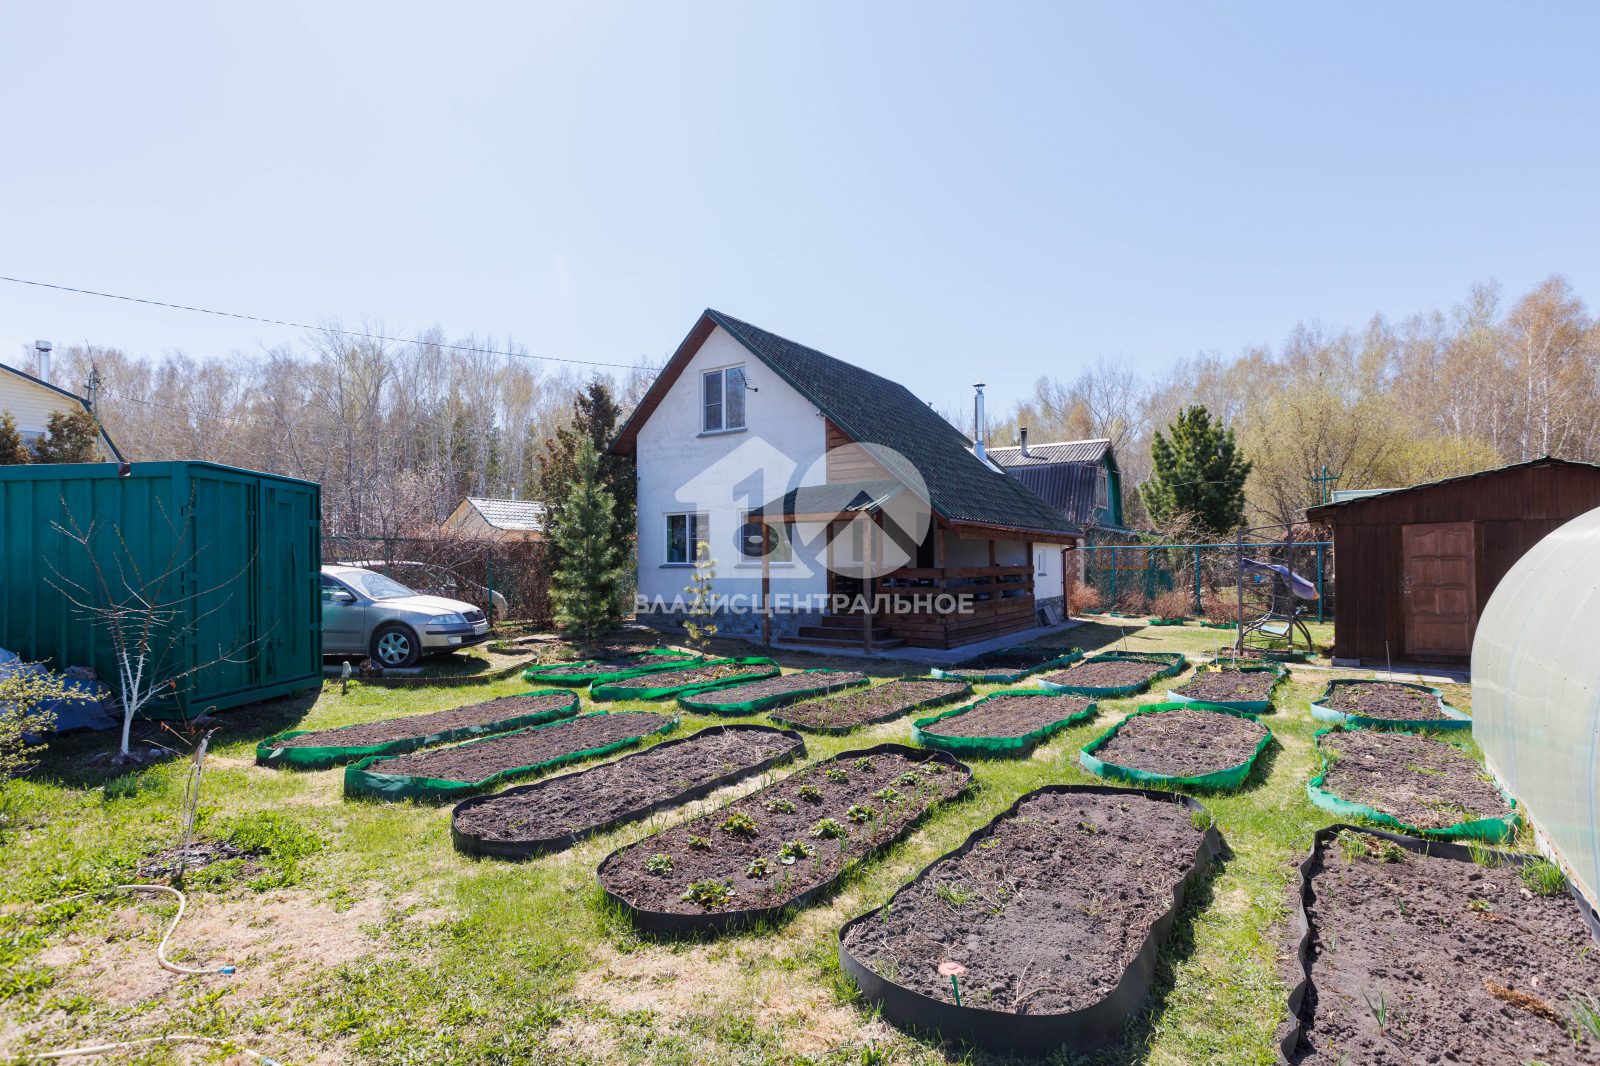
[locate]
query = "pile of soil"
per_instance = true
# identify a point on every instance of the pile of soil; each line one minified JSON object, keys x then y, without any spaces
{"x":1112,"y":673}
{"x":370,"y":734}
{"x":1182,"y":743}
{"x":1424,"y":783}
{"x":1384,"y":699}
{"x":614,"y":666}
{"x":480,"y":759}
{"x":201,"y":853}
{"x":868,"y":705}
{"x":1045,"y":913}
{"x":777,"y":686}
{"x":725,"y":856}
{"x":1008,"y":716}
{"x":1229,"y":686}
{"x":692,"y":676}
{"x":573,"y":803}
{"x":1466,"y":964}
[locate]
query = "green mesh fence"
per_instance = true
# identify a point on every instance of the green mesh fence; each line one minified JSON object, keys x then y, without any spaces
{"x":326,"y":757}
{"x":1220,"y":780}
{"x":710,"y":705}
{"x":1491,"y":829}
{"x":1449,"y":717}
{"x":994,"y":747}
{"x":1172,"y":664}
{"x":976,"y":674}
{"x":1253,"y":706}
{"x":600,"y":673}
{"x":610,"y":689}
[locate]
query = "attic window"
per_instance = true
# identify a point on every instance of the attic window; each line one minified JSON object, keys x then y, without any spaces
{"x":1102,"y":495}
{"x":723,"y":399}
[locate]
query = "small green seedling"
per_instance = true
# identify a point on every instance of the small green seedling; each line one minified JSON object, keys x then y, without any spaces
{"x":837,"y":776}
{"x":865,"y":766}
{"x":1201,"y":820}
{"x":793,"y":850}
{"x":1583,"y":1016}
{"x":778,"y":806}
{"x":1481,"y":906}
{"x":888,"y":795}
{"x":908,"y":778}
{"x":760,"y":867}
{"x":1090,"y":828}
{"x":739,"y":823}
{"x":709,"y":894}
{"x":930,"y":767}
{"x":828,"y":829}
{"x":810,"y":793}
{"x":858,"y":813}
{"x":703,"y":843}
{"x":1482,"y":854}
{"x":659,"y":864}
{"x":1380,"y":1009}
{"x":1544,"y":878}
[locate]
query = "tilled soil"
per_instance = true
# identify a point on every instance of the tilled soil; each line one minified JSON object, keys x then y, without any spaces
{"x":1228,"y":686}
{"x":613,"y":666}
{"x":370,"y":734}
{"x":573,"y":803}
{"x":777,"y":686}
{"x":692,"y":676}
{"x":867,"y":705}
{"x":726,"y":855}
{"x":480,"y":759}
{"x":1007,"y":661}
{"x":1111,"y":674}
{"x":1380,"y":699}
{"x":1427,"y":784}
{"x":1045,"y":913}
{"x":1008,"y":716}
{"x":1182,"y":743}
{"x":1463,"y":961}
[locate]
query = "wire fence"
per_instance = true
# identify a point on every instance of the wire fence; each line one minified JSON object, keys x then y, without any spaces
{"x":1203,"y":580}
{"x":508,"y":579}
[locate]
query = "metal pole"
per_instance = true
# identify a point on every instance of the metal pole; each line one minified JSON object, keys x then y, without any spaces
{"x":1319,"y":583}
{"x":1238,"y":633}
{"x":491,"y":588}
{"x":1197,"y":609}
{"x":1112,"y":606}
{"x":766,"y":587}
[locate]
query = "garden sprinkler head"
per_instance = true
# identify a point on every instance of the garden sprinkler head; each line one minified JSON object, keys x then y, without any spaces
{"x":953,"y":970}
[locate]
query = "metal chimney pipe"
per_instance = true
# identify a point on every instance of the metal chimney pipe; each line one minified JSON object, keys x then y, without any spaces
{"x":42,"y":349}
{"x":977,"y":419}
{"x":1023,"y":433}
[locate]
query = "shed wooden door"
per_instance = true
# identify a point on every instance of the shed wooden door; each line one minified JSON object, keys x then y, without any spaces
{"x":1438,"y":591}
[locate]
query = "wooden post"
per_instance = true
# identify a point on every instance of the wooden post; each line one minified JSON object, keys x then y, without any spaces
{"x":866,"y":582}
{"x":766,"y":586}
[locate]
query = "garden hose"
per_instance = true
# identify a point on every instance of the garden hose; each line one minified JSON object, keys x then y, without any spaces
{"x":161,"y":949}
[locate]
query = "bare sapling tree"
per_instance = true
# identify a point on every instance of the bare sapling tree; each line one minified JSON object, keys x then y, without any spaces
{"x":145,"y":613}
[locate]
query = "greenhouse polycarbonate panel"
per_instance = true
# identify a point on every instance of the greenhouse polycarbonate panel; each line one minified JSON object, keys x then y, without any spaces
{"x":1536,"y":690}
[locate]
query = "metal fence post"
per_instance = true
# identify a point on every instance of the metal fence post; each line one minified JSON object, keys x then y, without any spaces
{"x":1197,"y":608}
{"x":1319,"y":583}
{"x":1113,"y":604}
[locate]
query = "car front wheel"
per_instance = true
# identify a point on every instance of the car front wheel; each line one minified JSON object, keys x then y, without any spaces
{"x":395,"y":647}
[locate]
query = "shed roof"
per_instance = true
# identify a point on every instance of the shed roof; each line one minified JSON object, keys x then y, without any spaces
{"x":1068,"y":487}
{"x":831,"y":499}
{"x":1061,"y":451}
{"x":1330,"y":512}
{"x":509,"y":514}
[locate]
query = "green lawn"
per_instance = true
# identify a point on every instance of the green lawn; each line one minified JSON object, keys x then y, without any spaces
{"x":385,"y":945}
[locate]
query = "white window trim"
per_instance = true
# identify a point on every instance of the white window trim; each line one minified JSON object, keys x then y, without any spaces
{"x":701,"y":400}
{"x":788,"y":536}
{"x":666,"y":537}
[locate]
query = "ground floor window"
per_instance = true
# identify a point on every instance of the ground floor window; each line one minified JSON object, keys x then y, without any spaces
{"x":780,"y":541}
{"x":688,"y":537}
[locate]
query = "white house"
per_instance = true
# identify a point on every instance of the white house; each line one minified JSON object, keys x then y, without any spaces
{"x":31,"y":401}
{"x":832,"y":485}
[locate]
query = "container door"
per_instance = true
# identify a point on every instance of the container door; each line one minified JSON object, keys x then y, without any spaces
{"x":1438,"y":591}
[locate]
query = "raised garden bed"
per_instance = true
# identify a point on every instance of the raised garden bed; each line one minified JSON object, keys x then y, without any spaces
{"x":713,"y":673}
{"x":444,"y":773}
{"x":1002,"y":723}
{"x":1011,"y":664}
{"x":839,"y":715}
{"x":756,"y":696}
{"x":1179,"y":745}
{"x":323,"y":749}
{"x":558,"y":812}
{"x":639,"y":662}
{"x":1055,"y":912}
{"x":1114,"y":675}
{"x":1386,"y":705}
{"x":780,"y":846}
{"x":1241,"y":686}
{"x":1414,"y":784}
{"x":1168,"y":621}
{"x":1409,"y":951}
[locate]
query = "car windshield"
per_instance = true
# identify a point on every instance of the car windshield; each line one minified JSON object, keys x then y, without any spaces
{"x":376,"y":586}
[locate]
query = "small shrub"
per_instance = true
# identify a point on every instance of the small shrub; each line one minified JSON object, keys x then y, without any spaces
{"x":1133,"y":602}
{"x":837,"y":776}
{"x":1544,"y":878}
{"x":659,"y":864}
{"x":709,"y":894}
{"x":859,"y":813}
{"x":828,"y":829}
{"x":778,"y":806}
{"x":1083,"y":599}
{"x":1218,"y":610}
{"x":810,"y":793}
{"x":703,"y":843}
{"x":739,"y":823}
{"x":760,"y":867}
{"x":1172,"y":604}
{"x":794,"y":850}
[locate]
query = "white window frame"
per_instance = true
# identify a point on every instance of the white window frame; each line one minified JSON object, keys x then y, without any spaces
{"x":723,"y":407}
{"x":1102,"y":488}
{"x":1041,"y":564}
{"x":782,"y":555}
{"x":696,"y":522}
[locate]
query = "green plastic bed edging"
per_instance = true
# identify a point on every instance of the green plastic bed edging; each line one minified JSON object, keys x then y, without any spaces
{"x":1491,"y":829}
{"x":327,"y":757}
{"x":994,"y":676}
{"x":1168,"y":621}
{"x":1174,"y":660}
{"x":843,"y":731}
{"x":361,"y":782}
{"x":1228,"y":779}
{"x":681,"y":661}
{"x":1452,"y":718}
{"x":756,"y":706}
{"x":1251,"y":706}
{"x":994,"y":747}
{"x":610,"y":690}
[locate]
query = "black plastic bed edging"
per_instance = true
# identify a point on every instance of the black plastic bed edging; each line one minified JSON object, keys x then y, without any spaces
{"x":938,"y":701}
{"x":667,"y":924}
{"x":1035,"y":1035}
{"x":1300,"y":925}
{"x":472,"y":844}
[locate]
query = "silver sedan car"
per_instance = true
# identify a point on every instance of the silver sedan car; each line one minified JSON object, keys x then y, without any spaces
{"x":366,"y":613}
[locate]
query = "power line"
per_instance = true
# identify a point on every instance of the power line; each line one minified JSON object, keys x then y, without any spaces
{"x":325,"y":329}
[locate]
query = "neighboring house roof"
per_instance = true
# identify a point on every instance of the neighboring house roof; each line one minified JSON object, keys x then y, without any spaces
{"x":872,"y":410}
{"x":514,"y":515}
{"x":1329,"y":512}
{"x":77,"y":401}
{"x":1061,"y":451}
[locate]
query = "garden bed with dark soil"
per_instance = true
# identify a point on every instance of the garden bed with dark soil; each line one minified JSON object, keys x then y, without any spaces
{"x":560,"y":811}
{"x":478,"y":763}
{"x":1052,"y":915}
{"x":779,"y":846}
{"x":1111,"y":675}
{"x":841,"y":714}
{"x":1231,"y":686}
{"x":1411,"y":952}
{"x":1384,"y":699}
{"x":321,"y":749}
{"x":756,"y":696}
{"x":662,"y":683}
{"x":1183,"y":742}
{"x":1421,"y":783}
{"x":610,"y":666}
{"x":1009,"y":664}
{"x":1004,"y":723}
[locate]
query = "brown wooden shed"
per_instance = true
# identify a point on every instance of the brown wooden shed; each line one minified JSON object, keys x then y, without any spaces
{"x":1414,"y":567}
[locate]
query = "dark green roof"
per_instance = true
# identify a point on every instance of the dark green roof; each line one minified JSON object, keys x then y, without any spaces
{"x":835,"y":498}
{"x":874,"y":410}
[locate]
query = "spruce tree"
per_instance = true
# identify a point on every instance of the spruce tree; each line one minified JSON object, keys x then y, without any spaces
{"x":1198,"y":473}
{"x":594,"y":418}
{"x":585,"y":584}
{"x":69,"y":438}
{"x":13,"y":449}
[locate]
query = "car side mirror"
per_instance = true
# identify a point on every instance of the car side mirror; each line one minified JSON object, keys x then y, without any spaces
{"x":343,"y":596}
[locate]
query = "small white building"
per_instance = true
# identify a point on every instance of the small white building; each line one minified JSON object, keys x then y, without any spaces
{"x":776,"y":460}
{"x":31,"y":401}
{"x":522,"y":519}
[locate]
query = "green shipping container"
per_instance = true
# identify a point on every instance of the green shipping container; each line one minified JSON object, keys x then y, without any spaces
{"x":241,"y":555}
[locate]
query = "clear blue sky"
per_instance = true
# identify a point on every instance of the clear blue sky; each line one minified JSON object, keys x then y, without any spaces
{"x":936,"y":192}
